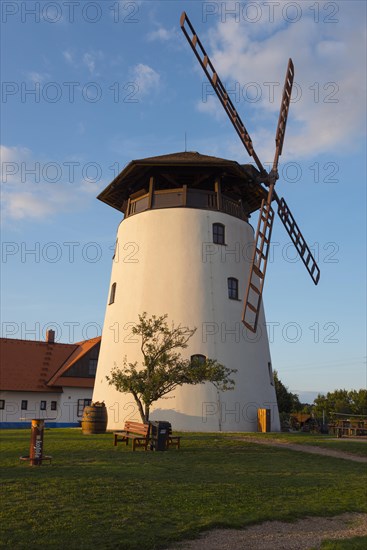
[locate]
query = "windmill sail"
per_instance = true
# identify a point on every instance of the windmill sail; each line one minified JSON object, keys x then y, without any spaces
{"x":219,"y":88}
{"x":298,"y":240}
{"x":253,"y":295}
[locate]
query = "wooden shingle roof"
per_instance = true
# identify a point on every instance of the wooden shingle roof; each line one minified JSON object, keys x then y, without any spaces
{"x":189,"y":168}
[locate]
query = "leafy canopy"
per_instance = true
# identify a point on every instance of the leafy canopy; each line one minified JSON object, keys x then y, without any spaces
{"x":163,"y":368}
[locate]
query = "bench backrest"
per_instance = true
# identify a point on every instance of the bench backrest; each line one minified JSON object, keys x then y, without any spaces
{"x":137,"y":428}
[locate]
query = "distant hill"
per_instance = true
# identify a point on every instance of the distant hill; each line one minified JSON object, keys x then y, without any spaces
{"x":307,"y":396}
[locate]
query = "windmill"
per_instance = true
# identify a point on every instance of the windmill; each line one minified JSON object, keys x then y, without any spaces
{"x":255,"y":285}
{"x":179,"y":251}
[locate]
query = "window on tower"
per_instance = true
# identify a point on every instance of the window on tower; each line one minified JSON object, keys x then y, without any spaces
{"x":198,"y":358}
{"x":218,"y":233}
{"x":112,"y":294}
{"x":232,"y":288}
{"x":271,"y":376}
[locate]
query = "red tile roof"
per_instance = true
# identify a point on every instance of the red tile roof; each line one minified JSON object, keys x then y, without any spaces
{"x":28,"y":365}
{"x":82,"y":349}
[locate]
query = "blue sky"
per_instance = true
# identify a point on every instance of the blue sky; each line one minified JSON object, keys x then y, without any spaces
{"x":89,"y":86}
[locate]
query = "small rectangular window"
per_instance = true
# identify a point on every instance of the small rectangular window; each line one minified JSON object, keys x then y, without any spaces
{"x":218,"y":233}
{"x":24,"y":405}
{"x":53,"y":405}
{"x":81,"y":404}
{"x":232,"y":288}
{"x":2,"y":404}
{"x":112,"y":294}
{"x":271,"y":377}
{"x":43,"y":405}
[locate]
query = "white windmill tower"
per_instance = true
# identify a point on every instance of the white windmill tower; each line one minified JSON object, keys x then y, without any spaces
{"x":182,"y":249}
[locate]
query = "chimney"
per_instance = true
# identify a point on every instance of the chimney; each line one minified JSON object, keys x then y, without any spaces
{"x":50,"y":336}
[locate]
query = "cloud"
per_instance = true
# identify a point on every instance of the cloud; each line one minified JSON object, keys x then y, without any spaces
{"x":37,"y":189}
{"x":212,"y":107}
{"x":327,"y":112}
{"x":87,"y":59}
{"x":146,"y":78}
{"x":25,"y":205}
{"x":69,"y":57}
{"x":90,"y":59}
{"x":162,"y":34}
{"x":37,"y":77}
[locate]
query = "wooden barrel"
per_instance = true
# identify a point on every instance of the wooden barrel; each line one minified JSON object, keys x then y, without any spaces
{"x":94,"y":419}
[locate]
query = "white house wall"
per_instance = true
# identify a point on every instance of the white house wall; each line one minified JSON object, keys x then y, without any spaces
{"x":166,"y":262}
{"x":65,"y":414}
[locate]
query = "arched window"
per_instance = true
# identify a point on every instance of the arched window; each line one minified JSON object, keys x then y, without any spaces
{"x":232,"y":288}
{"x":198,"y":358}
{"x":112,"y":294}
{"x":218,"y":233}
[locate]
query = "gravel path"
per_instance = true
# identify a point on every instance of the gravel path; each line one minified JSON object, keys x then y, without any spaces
{"x":304,"y":448}
{"x":275,"y":535}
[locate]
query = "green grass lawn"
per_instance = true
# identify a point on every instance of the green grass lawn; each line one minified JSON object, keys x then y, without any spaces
{"x":356,"y":543}
{"x":95,"y":494}
{"x":327,"y":441}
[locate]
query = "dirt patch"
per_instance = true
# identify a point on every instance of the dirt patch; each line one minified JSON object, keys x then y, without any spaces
{"x":304,"y":448}
{"x":275,"y":535}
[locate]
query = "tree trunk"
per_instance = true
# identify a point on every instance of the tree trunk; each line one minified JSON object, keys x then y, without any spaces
{"x":146,"y":413}
{"x":140,"y":407}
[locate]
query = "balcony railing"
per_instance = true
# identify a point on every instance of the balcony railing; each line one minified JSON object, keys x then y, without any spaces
{"x":184,"y":197}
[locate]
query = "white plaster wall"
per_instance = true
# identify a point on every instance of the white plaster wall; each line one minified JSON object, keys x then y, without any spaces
{"x":166,"y":262}
{"x":66,"y":411}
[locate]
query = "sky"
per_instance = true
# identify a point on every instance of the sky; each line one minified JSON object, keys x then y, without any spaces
{"x":89,"y":86}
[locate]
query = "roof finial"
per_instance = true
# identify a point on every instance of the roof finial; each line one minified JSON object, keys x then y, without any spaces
{"x":185,"y":143}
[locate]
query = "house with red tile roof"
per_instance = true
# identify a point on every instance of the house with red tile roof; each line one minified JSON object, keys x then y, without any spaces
{"x":49,"y":380}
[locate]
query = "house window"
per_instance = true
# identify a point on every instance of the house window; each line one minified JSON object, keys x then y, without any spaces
{"x":2,"y":404}
{"x":24,"y":405}
{"x":198,"y":358}
{"x":53,"y":405}
{"x":112,"y":294}
{"x":43,"y":405}
{"x":81,"y":404}
{"x":218,"y":233}
{"x":271,"y":377}
{"x":92,"y":367}
{"x":232,"y":288}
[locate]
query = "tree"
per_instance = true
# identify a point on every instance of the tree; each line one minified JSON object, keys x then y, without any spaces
{"x":163,"y":368}
{"x":341,"y":402}
{"x":287,"y":401}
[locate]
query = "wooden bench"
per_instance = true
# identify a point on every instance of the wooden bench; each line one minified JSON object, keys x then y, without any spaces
{"x":173,"y":440}
{"x":136,"y":431}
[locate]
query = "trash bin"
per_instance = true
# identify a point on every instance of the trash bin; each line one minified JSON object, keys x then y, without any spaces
{"x":160,"y":431}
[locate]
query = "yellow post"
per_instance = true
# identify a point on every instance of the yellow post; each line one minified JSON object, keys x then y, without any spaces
{"x":263,"y":420}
